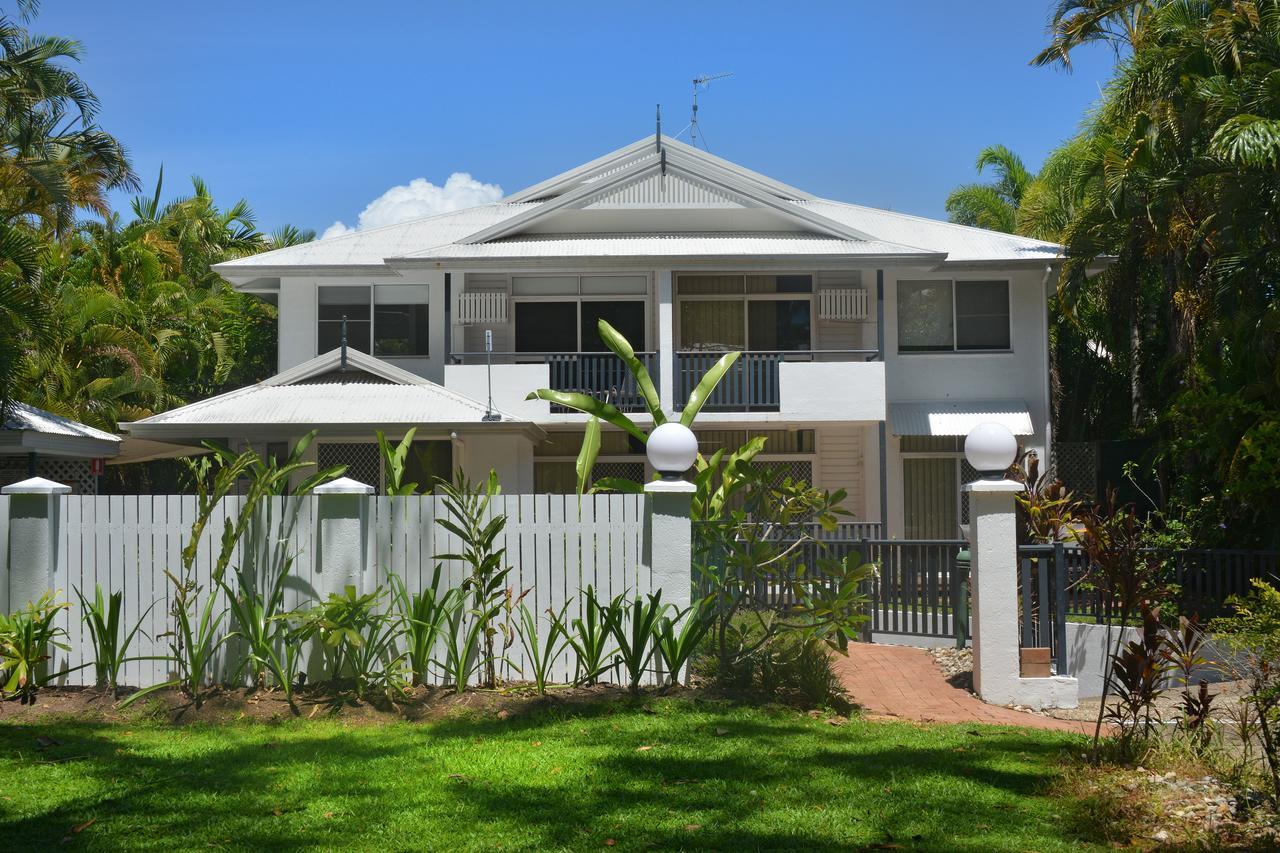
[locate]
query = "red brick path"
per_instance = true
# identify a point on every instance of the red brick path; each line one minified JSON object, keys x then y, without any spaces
{"x":905,"y":683}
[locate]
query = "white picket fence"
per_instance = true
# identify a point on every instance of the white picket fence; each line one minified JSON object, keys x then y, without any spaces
{"x":556,"y":544}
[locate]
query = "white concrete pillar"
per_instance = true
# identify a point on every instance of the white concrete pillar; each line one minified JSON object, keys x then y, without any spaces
{"x":993,"y":534}
{"x":668,"y":542}
{"x":666,"y":340}
{"x":34,"y":528}
{"x":342,"y":536}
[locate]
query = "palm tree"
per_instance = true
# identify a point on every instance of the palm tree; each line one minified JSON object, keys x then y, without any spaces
{"x":993,"y":206}
{"x":1118,"y":23}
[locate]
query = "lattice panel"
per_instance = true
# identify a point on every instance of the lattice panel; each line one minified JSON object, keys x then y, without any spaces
{"x":1075,"y":463}
{"x":797,"y":469}
{"x":362,"y":460}
{"x":633,"y":471}
{"x":71,"y":472}
{"x":967,"y":475}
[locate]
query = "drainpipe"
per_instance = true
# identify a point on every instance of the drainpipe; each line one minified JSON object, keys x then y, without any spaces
{"x":883,"y":436}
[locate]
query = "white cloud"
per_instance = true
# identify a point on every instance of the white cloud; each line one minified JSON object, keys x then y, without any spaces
{"x":417,"y":199}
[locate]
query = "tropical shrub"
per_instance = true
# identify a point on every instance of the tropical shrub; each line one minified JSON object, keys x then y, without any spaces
{"x":678,"y":637}
{"x":423,"y":617}
{"x":635,"y":634}
{"x":103,"y":617}
{"x":542,"y":654}
{"x":589,"y":636}
{"x":261,"y":624}
{"x":1252,"y":633}
{"x":1136,"y":680}
{"x":467,"y":508}
{"x":359,"y":641}
{"x":464,"y":630}
{"x":753,"y":557}
{"x":25,"y":638}
{"x":602,"y":410}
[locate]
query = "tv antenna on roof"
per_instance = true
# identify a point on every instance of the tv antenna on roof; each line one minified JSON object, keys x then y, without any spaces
{"x":701,"y":84}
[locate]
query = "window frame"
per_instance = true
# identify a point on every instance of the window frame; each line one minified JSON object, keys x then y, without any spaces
{"x":373,"y":320}
{"x":577,"y":300}
{"x":746,"y":298}
{"x":955,"y":332}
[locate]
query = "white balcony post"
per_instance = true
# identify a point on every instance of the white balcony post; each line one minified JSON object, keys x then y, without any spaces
{"x":666,"y":340}
{"x":34,"y":532}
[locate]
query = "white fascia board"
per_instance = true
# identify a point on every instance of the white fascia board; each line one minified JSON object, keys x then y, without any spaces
{"x":571,"y":264}
{"x":42,"y":444}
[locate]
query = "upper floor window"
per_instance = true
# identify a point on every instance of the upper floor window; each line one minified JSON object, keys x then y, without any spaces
{"x":756,"y":312}
{"x":386,"y":320}
{"x":950,"y":316}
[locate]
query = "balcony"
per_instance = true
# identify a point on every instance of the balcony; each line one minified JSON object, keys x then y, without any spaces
{"x":601,"y":375}
{"x":776,"y":381}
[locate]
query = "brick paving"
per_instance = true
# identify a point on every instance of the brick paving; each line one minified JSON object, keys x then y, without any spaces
{"x":904,"y":683}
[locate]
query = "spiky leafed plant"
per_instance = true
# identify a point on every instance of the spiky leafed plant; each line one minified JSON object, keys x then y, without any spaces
{"x":601,"y":410}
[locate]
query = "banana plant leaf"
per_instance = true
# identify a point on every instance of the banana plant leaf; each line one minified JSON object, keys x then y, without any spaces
{"x":706,"y":386}
{"x":590,"y":406}
{"x":618,"y":484}
{"x":587,"y":455}
{"x":622,"y":348}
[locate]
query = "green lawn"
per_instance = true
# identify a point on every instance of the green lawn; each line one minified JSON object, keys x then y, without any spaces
{"x":670,"y":775}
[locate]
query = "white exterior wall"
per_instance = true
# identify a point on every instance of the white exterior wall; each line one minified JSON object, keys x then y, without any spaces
{"x":511,"y":456}
{"x":1020,"y":374}
{"x":297,"y":340}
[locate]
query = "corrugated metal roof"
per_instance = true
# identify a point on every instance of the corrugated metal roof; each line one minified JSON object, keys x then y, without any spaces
{"x":959,"y":242}
{"x":304,"y":395}
{"x":372,"y":246}
{"x":25,"y":417}
{"x":950,"y":417}
{"x":709,"y":244}
{"x":326,"y":403}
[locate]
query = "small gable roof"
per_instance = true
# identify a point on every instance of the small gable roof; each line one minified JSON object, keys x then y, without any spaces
{"x":27,"y":429}
{"x":366,"y":393}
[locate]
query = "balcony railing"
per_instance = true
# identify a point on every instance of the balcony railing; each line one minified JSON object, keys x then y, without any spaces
{"x":597,"y":374}
{"x":751,"y":384}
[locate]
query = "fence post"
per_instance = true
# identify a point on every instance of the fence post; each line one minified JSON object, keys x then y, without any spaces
{"x":994,"y":583}
{"x":668,"y":540}
{"x":34,"y":528}
{"x":342,"y":535}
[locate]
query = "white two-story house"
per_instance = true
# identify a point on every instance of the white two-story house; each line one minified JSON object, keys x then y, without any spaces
{"x":872,"y":341}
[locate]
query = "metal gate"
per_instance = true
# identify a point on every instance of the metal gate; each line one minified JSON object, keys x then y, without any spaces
{"x":920,"y":587}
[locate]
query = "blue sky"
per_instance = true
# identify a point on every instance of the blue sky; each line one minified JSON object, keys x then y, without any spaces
{"x":312,"y":110}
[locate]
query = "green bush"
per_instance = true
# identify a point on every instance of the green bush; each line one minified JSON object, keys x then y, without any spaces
{"x":792,"y":667}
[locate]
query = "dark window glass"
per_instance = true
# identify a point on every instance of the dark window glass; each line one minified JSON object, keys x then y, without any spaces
{"x":795,"y":284}
{"x":626,"y":317}
{"x":982,"y":315}
{"x":400,"y":330}
{"x":329,"y":333}
{"x":427,"y":462}
{"x":546,"y":327}
{"x":778,"y":325}
{"x":925,"y":316}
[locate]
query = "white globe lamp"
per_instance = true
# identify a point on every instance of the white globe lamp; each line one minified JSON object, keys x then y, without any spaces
{"x":672,"y":449}
{"x":991,"y":448}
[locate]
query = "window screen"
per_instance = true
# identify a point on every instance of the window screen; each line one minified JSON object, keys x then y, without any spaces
{"x":546,"y":327}
{"x":336,"y":303}
{"x":982,"y":315}
{"x":778,"y":324}
{"x":625,"y":316}
{"x":400,"y":330}
{"x":925,"y":316}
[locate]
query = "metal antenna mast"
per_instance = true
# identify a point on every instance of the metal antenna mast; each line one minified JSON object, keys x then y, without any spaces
{"x":701,"y":84}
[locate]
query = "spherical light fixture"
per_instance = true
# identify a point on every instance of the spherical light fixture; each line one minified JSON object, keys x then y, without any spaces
{"x":991,"y":448}
{"x":672,"y":449}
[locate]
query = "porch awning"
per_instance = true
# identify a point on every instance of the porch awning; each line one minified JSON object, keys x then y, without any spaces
{"x":955,"y":417}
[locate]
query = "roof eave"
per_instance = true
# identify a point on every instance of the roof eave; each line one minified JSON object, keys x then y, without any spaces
{"x":772,"y":259}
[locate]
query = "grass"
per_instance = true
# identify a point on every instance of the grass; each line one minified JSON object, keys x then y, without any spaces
{"x":670,"y":774}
